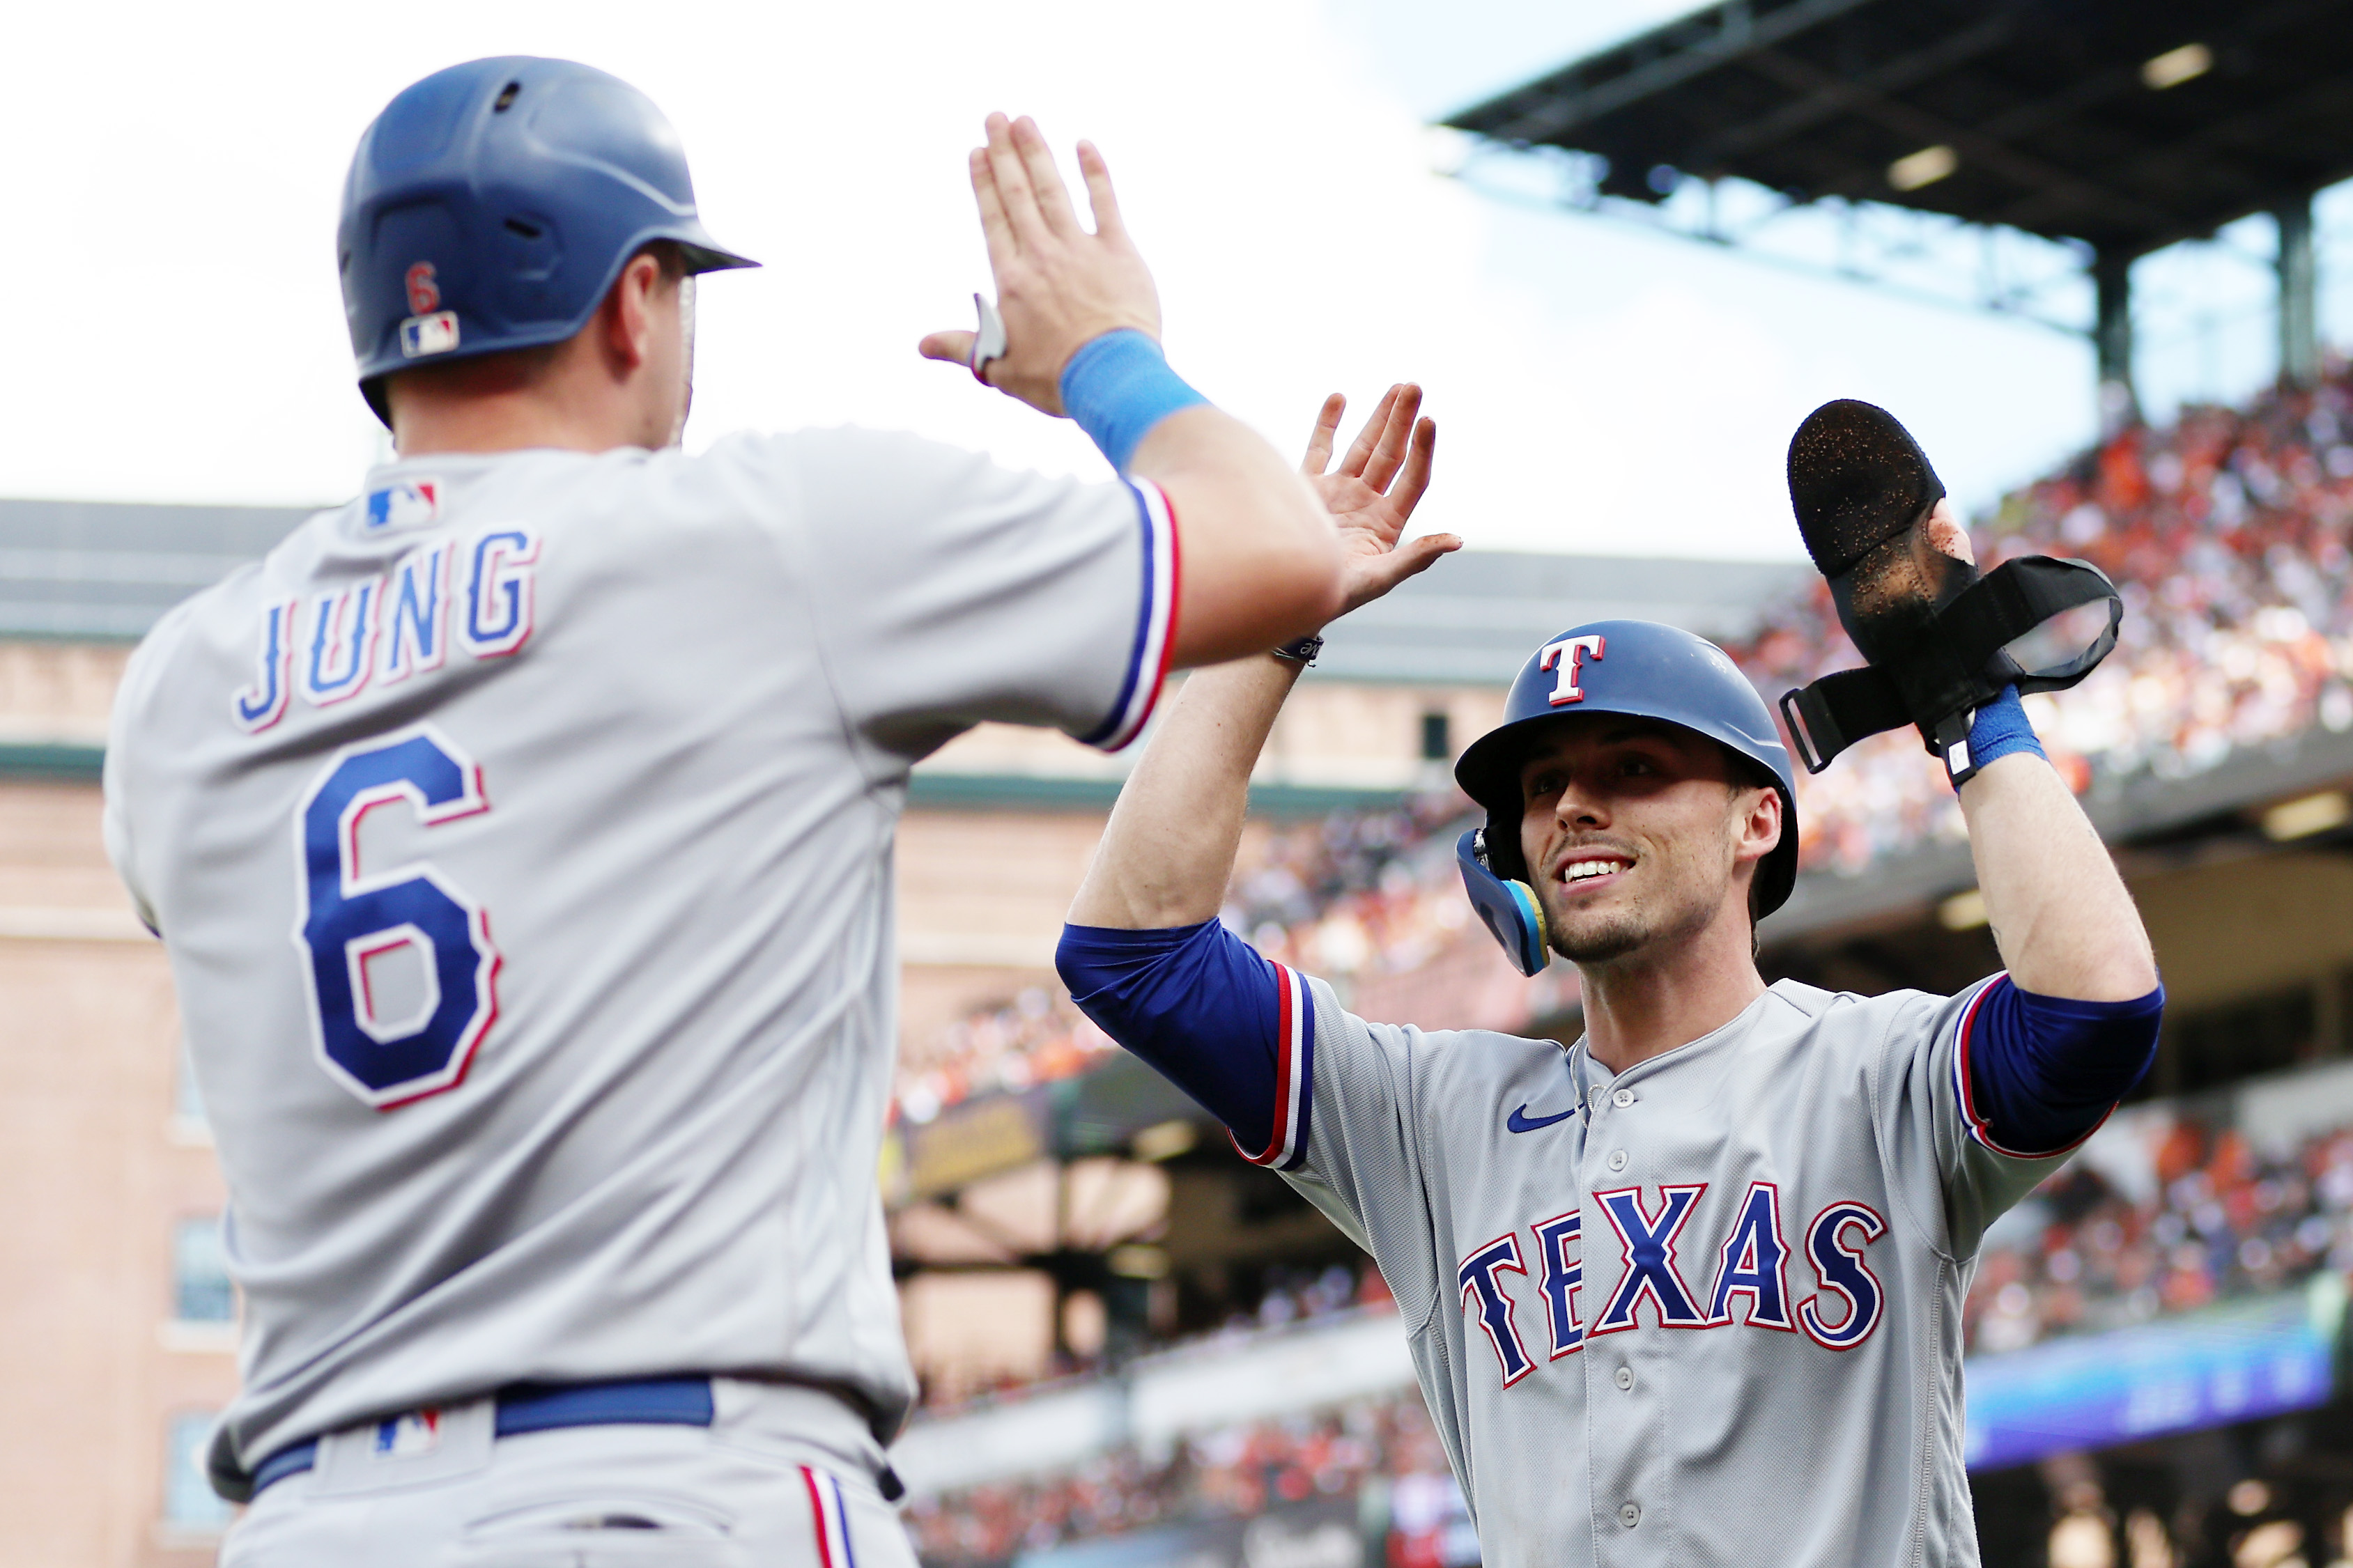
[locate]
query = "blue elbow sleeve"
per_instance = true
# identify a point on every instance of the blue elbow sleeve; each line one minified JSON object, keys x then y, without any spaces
{"x":1220,"y":1022}
{"x":2041,"y":1073}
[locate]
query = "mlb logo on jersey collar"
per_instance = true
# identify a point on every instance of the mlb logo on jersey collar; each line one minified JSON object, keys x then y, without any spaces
{"x":398,"y":506}
{"x":431,"y":1443}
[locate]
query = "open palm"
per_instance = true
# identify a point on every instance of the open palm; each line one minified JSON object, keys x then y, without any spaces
{"x":1372,"y":494}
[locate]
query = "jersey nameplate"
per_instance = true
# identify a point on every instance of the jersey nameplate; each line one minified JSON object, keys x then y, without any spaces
{"x":474,"y":592}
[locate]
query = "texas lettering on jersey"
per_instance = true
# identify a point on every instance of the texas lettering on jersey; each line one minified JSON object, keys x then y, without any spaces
{"x":1750,"y":1287}
{"x":476,"y":592}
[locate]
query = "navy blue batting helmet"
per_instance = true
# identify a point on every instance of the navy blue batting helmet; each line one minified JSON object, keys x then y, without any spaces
{"x":1648,"y":670}
{"x":491,"y":206}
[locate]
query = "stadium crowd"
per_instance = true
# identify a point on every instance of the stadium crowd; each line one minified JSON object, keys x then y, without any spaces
{"x":1236,"y":1472}
{"x":2079,"y":1256}
{"x":1352,"y":895}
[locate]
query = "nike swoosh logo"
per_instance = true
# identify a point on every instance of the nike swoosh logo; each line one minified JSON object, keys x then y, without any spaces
{"x":1521,"y":1121}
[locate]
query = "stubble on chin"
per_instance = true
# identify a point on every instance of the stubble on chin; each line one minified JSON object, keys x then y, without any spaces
{"x":1599,"y":937}
{"x":1592,"y":940}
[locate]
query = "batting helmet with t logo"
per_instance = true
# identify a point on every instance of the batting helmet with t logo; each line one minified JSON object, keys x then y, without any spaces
{"x":1636,"y":668}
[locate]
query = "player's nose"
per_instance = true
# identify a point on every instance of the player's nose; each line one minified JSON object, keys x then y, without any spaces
{"x":1582,"y":806}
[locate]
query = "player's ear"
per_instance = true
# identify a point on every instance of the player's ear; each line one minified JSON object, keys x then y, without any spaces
{"x":1758,"y":822}
{"x":626,"y":318}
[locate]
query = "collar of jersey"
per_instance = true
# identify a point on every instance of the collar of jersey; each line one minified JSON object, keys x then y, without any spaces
{"x":1592,"y":1078}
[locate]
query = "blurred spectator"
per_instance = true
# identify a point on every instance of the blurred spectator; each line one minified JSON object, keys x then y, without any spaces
{"x":1037,"y":1038}
{"x":2079,"y":1255}
{"x":1354,"y":894}
{"x":1236,"y":1471}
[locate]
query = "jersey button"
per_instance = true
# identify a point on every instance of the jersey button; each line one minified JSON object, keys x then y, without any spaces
{"x":1626,"y":1380}
{"x":1629,"y":1514}
{"x":1622,"y":1099}
{"x":1618,"y":1162}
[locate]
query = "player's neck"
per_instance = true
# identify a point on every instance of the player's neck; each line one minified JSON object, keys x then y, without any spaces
{"x":1647,"y":1004}
{"x":578,"y":403}
{"x":516,"y":423}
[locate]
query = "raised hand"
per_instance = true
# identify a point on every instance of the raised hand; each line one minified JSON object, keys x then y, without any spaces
{"x":1058,"y":285}
{"x":1372,"y":494}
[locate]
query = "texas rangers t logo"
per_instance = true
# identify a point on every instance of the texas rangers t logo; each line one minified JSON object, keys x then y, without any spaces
{"x":1564,"y":685}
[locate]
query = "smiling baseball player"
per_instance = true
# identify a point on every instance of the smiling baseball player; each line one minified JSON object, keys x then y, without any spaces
{"x":1687,"y":1292}
{"x":521,"y":835}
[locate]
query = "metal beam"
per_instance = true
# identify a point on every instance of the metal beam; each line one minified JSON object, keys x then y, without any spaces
{"x":2299,"y":318}
{"x":2112,"y":337}
{"x":1926,"y":129}
{"x":2123,"y":81}
{"x":1642,"y":217}
{"x":2147,"y":166}
{"x":1826,"y":102}
{"x":1738,"y":34}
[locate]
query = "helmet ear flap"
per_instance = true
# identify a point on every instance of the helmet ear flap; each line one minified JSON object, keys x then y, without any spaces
{"x":1507,"y":906}
{"x":1499,"y":846}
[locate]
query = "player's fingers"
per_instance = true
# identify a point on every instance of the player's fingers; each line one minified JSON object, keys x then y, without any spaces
{"x":1327,"y":429}
{"x":953,"y":347}
{"x":996,"y":228}
{"x":1045,"y":179}
{"x":1013,"y":188}
{"x":1100,"y":196}
{"x":1360,"y":450}
{"x":1396,"y":434}
{"x":1406,"y":494}
{"x":1946,"y":534}
{"x":1414,"y":557}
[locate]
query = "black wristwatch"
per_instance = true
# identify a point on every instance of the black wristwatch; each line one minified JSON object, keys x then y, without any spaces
{"x":1302,"y":652}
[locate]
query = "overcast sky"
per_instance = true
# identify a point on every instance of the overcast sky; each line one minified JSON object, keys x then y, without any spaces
{"x":175,"y":170}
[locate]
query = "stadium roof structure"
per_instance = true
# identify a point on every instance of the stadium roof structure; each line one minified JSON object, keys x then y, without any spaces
{"x":108,"y":571}
{"x":2126,"y":125}
{"x":1474,"y":618}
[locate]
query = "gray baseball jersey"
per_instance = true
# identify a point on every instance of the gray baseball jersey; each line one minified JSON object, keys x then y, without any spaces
{"x":521,"y":835}
{"x":1708,"y":1310}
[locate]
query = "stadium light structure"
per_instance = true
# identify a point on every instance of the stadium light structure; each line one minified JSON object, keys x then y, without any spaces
{"x":2067,"y":141}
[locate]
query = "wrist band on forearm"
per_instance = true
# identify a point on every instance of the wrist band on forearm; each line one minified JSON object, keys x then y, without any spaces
{"x":1117,"y":387}
{"x":1998,"y":727}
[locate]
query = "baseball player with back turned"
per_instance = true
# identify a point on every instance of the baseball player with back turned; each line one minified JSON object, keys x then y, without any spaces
{"x":1688,"y":1291}
{"x":521,"y":836}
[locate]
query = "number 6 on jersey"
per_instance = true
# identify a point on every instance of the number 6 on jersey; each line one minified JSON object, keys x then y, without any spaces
{"x":348,"y":923}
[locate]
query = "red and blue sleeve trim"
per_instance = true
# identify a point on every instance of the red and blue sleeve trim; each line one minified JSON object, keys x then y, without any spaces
{"x":1294,"y":1074}
{"x":2036,"y":1075}
{"x":1156,"y":629}
{"x":1963,"y":1086}
{"x":1214,"y":1016}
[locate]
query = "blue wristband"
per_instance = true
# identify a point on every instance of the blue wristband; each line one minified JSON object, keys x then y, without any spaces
{"x":1998,"y":728}
{"x":1117,"y":387}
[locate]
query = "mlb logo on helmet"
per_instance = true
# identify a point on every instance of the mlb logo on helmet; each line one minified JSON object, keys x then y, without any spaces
{"x":419,"y":1432}
{"x":433,"y":334}
{"x":417,"y":500}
